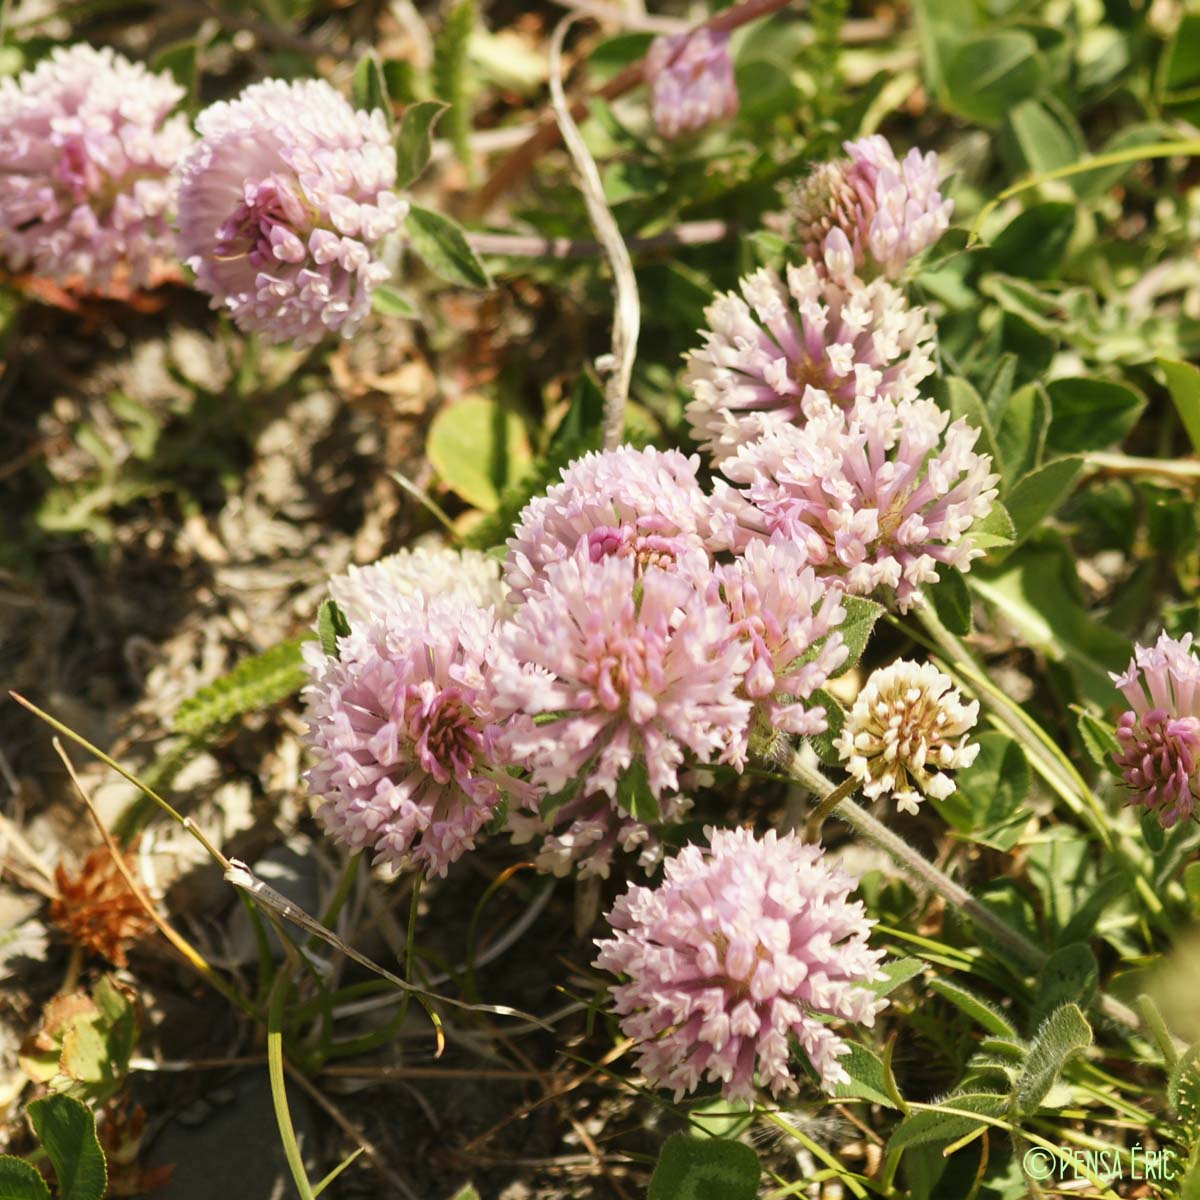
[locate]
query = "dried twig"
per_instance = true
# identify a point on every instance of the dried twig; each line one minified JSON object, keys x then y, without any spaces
{"x":690,"y":233}
{"x":546,"y":132}
{"x":627,"y":313}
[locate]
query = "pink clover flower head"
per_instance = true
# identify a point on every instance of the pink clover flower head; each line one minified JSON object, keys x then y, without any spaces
{"x":644,"y":505}
{"x":428,"y":571}
{"x":87,"y":142}
{"x":878,"y":210}
{"x":406,"y":735}
{"x":876,"y":497}
{"x":585,"y":835}
{"x":788,"y":619}
{"x":770,"y":347}
{"x":282,"y":206}
{"x":625,"y":670}
{"x":691,"y":81}
{"x":905,"y":729}
{"x":741,"y":947}
{"x":1159,"y":735}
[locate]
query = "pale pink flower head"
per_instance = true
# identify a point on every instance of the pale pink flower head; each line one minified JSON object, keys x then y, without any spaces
{"x":740,"y":948}
{"x":876,"y":497}
{"x":644,"y":505}
{"x":870,"y":211}
{"x":623,"y":670}
{"x":767,"y":349}
{"x":788,"y":619}
{"x":690,"y":76}
{"x":586,"y":834}
{"x":1160,"y":734}
{"x":407,"y":738}
{"x":282,"y":206}
{"x":87,"y":143}
{"x":906,"y":729}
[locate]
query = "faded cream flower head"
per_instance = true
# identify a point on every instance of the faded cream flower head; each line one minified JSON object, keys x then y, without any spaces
{"x":905,"y":729}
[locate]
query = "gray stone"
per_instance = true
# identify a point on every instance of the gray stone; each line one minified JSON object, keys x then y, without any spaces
{"x":232,"y":1151}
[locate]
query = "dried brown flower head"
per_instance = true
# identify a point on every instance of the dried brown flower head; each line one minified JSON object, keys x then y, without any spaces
{"x":97,"y":910}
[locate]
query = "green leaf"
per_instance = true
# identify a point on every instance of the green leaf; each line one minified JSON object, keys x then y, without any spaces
{"x":995,"y":531}
{"x":1183,"y":1085}
{"x":1034,"y":242}
{"x":67,"y":1131}
{"x":1153,"y":833}
{"x":450,"y":75}
{"x":634,"y":794}
{"x":1040,"y":493}
{"x":981,"y":1011}
{"x":835,"y":719}
{"x":254,"y":684}
{"x":1045,"y":139}
{"x":1189,"y":1187}
{"x":988,"y":805}
{"x":1036,"y":595}
{"x":389,"y":302}
{"x":987,"y":75}
{"x":442,"y":246}
{"x":1183,"y":382}
{"x":544,"y":473}
{"x":20,"y":1181}
{"x":331,"y":625}
{"x":1099,"y":738}
{"x":414,"y":141}
{"x":466,"y":1192}
{"x":1070,"y":976}
{"x":1021,"y":432}
{"x":952,"y":601}
{"x":867,"y":1077}
{"x":1063,"y":1035}
{"x":477,"y":448}
{"x":963,"y":401}
{"x":861,"y":616}
{"x":896,"y":972}
{"x":182,"y":61}
{"x":369,"y":88}
{"x":1090,"y":414}
{"x":1191,"y":885}
{"x":691,"y":1168}
{"x":939,"y":1126}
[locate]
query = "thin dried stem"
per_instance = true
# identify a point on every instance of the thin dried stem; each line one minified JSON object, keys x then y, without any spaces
{"x":546,"y":132}
{"x":627,"y":315}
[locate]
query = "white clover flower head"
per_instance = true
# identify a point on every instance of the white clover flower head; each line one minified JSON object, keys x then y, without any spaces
{"x":1159,"y":736}
{"x":428,"y":570}
{"x":769,"y":349}
{"x":742,"y":946}
{"x":282,"y":206}
{"x":906,"y":728}
{"x":87,"y":142}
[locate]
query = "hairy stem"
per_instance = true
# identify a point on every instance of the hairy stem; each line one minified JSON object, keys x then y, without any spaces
{"x":915,"y":864}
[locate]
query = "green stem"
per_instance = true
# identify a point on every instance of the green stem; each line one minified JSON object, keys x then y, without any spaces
{"x":812,"y":827}
{"x":283,"y":1118}
{"x":1187,"y":148}
{"x":911,"y":860}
